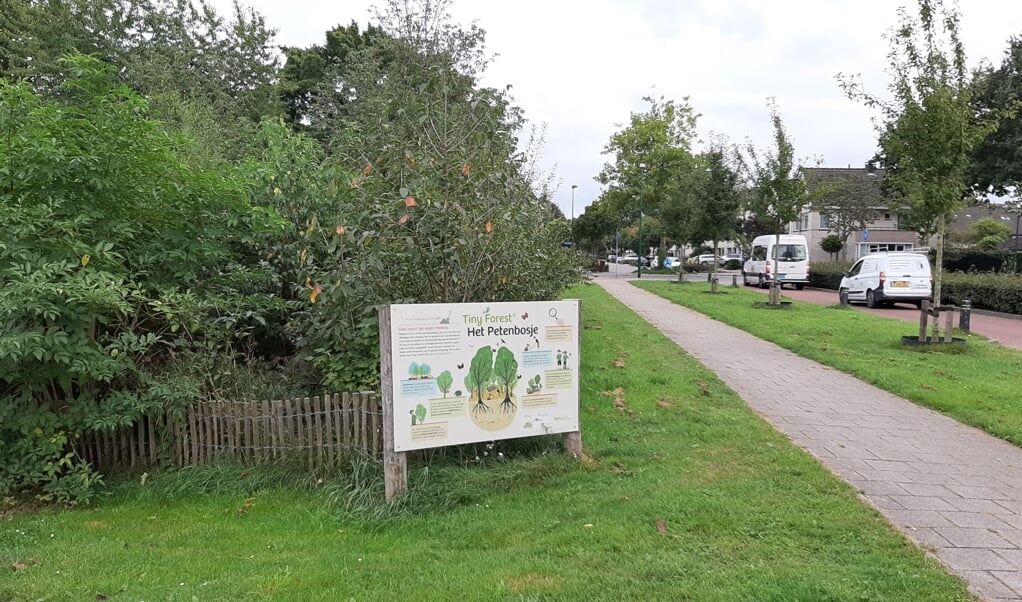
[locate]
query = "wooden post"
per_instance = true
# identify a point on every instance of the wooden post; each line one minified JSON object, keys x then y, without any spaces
{"x":948,"y":324}
{"x":395,"y":464}
{"x":924,"y":314}
{"x":573,"y":440}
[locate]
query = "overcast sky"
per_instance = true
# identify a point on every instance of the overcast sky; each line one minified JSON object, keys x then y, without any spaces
{"x":581,"y":67}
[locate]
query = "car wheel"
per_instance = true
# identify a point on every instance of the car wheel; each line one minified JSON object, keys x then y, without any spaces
{"x":799,"y":287}
{"x":762,"y":283}
{"x":842,"y":296}
{"x":745,"y":281}
{"x":871,"y":299}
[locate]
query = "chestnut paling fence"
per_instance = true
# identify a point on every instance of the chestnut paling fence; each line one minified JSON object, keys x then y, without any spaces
{"x":319,"y":430}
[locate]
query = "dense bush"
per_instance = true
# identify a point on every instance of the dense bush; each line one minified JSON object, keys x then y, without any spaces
{"x":995,"y":292}
{"x":975,"y":260}
{"x":119,"y":259}
{"x":828,"y":275}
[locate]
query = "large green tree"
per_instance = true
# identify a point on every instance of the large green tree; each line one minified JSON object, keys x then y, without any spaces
{"x":652,"y":162}
{"x":778,"y":192}
{"x":719,"y":194}
{"x":315,"y":83}
{"x":929,"y":130}
{"x":432,"y":197}
{"x":997,"y":163}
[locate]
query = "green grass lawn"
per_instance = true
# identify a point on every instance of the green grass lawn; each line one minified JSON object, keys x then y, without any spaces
{"x":684,"y":494}
{"x":976,"y":384}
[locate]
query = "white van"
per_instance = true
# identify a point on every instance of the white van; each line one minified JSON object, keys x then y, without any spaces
{"x":785,"y":258}
{"x":888,"y":278}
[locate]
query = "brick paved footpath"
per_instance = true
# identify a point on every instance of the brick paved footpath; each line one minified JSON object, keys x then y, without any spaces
{"x":952,"y":489}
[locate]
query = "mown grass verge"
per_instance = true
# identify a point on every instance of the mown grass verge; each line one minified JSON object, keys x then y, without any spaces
{"x":684,"y":494}
{"x":975,"y":384}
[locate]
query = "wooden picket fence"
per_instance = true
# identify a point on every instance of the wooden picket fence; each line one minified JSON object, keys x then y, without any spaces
{"x":319,"y":430}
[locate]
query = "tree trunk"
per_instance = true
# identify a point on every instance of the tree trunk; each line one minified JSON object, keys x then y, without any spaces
{"x":938,"y":270}
{"x":775,"y":283}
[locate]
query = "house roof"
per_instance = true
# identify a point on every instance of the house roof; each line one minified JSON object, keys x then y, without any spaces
{"x":840,"y":180}
{"x":966,"y":216}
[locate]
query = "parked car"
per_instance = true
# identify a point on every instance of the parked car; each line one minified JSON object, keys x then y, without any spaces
{"x":703,"y":259}
{"x":734,"y":259}
{"x":787,"y":255}
{"x":672,"y":262}
{"x":888,"y":278}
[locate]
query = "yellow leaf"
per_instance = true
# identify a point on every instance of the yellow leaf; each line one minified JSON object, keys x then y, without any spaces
{"x":464,"y":170}
{"x":315,"y":293}
{"x":85,"y":260}
{"x":114,"y":353}
{"x":340,"y":229}
{"x":305,"y":255}
{"x":489,"y":227}
{"x":368,"y":170}
{"x":276,"y":191}
{"x":354,"y":182}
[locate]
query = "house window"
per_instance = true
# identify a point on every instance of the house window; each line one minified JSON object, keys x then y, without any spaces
{"x":805,"y":221}
{"x":824,"y":222}
{"x":887,"y":216}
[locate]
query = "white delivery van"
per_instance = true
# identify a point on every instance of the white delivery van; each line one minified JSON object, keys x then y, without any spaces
{"x":785,"y":258}
{"x":888,"y":278}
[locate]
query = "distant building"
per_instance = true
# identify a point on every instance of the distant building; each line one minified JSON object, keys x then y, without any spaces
{"x":887,"y":231}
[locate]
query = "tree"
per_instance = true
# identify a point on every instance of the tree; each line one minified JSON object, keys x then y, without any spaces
{"x":987,"y":233}
{"x":833,"y":244}
{"x":315,"y":82}
{"x":479,"y":373}
{"x":444,"y":382}
{"x":778,"y":189}
{"x":203,"y":74}
{"x":997,"y":161}
{"x":847,"y":199}
{"x":505,"y":368}
{"x":929,"y":130}
{"x":652,"y":161}
{"x":718,"y":197}
{"x":431,"y":198}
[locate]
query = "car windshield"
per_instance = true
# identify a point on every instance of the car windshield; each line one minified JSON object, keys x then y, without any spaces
{"x":791,"y":252}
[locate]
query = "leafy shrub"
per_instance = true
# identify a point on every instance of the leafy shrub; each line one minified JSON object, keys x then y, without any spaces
{"x":995,"y":292}
{"x":732,"y":264}
{"x":975,"y":260}
{"x":828,"y":275}
{"x":108,"y":230}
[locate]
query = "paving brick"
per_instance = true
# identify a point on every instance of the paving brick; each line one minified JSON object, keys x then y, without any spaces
{"x":949,"y":487}
{"x":974,"y":537}
{"x":988,"y":585}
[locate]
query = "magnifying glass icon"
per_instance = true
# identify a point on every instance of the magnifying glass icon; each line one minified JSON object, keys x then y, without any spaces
{"x":553,"y":312}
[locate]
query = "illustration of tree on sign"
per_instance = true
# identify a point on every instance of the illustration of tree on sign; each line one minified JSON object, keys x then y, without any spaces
{"x":425,"y":371}
{"x":479,"y":373}
{"x":534,"y":385}
{"x":420,"y":413}
{"x":506,"y":369}
{"x":413,"y":371}
{"x":444,"y":382}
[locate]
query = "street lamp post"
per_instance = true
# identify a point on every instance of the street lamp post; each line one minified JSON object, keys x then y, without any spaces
{"x":642,"y":253}
{"x":573,"y":187}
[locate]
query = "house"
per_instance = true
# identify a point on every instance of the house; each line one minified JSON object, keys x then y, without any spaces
{"x":859,"y":192}
{"x":886,"y":230}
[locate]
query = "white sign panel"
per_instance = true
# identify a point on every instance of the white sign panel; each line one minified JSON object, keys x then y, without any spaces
{"x":471,"y":372}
